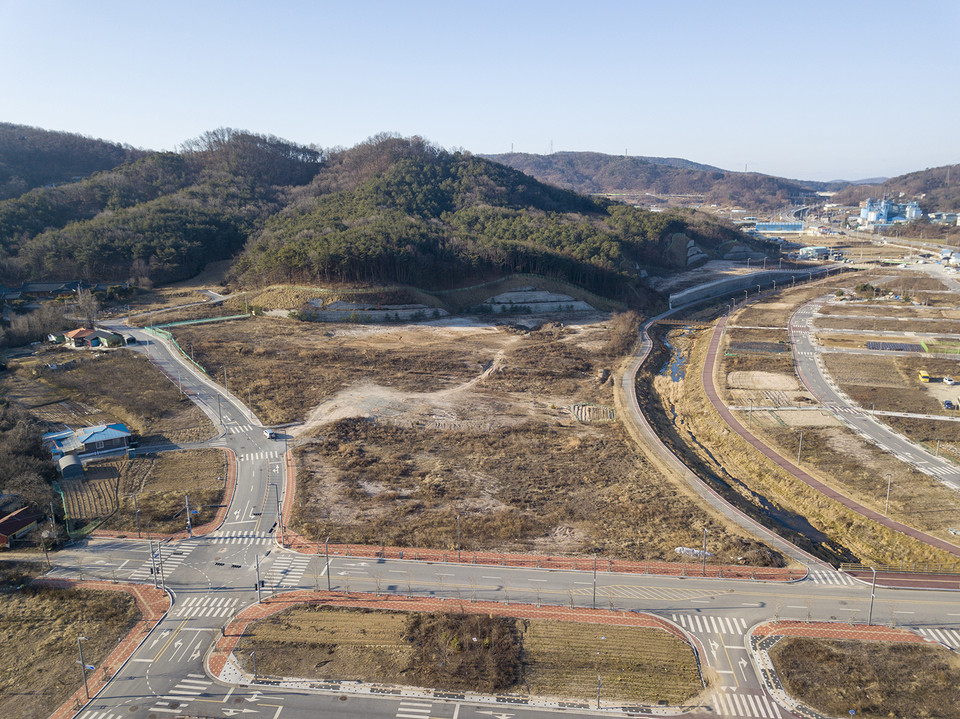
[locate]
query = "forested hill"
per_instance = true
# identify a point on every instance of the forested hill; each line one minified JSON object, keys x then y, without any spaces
{"x":388,"y":210}
{"x":31,"y":157}
{"x":593,"y":172}
{"x":937,"y":189}
{"x":159,"y":218}
{"x":395,"y":210}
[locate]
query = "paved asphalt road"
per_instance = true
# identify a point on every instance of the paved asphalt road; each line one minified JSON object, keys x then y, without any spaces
{"x":815,"y":378}
{"x":212,"y":577}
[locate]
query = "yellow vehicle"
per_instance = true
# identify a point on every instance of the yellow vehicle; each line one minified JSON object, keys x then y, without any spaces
{"x":923,"y":376}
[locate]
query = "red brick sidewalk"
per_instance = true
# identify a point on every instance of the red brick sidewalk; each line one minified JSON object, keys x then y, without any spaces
{"x":217,"y":659}
{"x":294,"y":541}
{"x":835,"y":630}
{"x":230,"y":487}
{"x":153,"y":604}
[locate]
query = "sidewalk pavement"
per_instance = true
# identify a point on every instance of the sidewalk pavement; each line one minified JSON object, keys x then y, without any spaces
{"x":153,"y":605}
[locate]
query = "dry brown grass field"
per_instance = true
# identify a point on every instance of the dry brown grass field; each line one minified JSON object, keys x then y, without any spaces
{"x":160,"y":483}
{"x":877,"y":680}
{"x":38,"y":642}
{"x":887,"y":308}
{"x":93,"y":388}
{"x":407,"y":426}
{"x":891,"y":324}
{"x":527,"y":657}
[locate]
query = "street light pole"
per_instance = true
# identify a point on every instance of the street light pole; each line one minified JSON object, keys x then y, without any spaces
{"x":458,"y":539}
{"x":153,"y":565}
{"x":186,"y":500}
{"x":279,"y":512}
{"x":83,"y":667}
{"x":873,"y":594}
{"x":253,"y":655}
{"x":257,"y":560}
{"x":800,"y":448}
{"x":594,"y":580}
{"x":136,"y":508}
{"x":704,"y":551}
{"x":326,"y":550}
{"x":886,"y":506}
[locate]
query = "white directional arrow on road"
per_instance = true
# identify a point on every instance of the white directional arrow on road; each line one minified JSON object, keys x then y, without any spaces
{"x":257,"y":696}
{"x":234,"y":712}
{"x":498,"y":715}
{"x":713,"y":648}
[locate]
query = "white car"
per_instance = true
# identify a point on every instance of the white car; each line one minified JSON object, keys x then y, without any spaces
{"x":949,"y":380}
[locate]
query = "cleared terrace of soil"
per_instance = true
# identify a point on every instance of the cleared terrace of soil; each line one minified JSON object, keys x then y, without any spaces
{"x":877,"y":680}
{"x":409,"y":426}
{"x":38,"y":642}
{"x":456,"y":652}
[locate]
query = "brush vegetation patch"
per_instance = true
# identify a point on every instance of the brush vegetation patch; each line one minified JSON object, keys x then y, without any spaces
{"x":878,"y":680}
{"x":475,"y":653}
{"x":38,"y":643}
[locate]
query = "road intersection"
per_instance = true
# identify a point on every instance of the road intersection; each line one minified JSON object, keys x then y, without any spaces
{"x":213,"y":577}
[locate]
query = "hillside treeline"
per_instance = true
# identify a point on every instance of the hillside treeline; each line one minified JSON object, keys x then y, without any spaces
{"x":390,"y":209}
{"x":31,"y":157}
{"x":593,"y":172}
{"x":437,"y":219}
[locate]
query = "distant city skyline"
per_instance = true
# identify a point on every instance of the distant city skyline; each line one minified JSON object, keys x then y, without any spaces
{"x":816,"y":91}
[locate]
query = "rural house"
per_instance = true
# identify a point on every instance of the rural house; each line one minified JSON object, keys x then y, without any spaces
{"x":16,"y":524}
{"x":90,"y":440}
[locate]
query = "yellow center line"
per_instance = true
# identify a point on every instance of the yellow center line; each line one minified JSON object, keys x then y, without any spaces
{"x":168,"y":642}
{"x":729,"y":660}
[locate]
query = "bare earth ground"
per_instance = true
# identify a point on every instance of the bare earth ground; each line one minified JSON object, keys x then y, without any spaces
{"x":529,"y":657}
{"x":877,"y":680}
{"x":160,"y":483}
{"x":408,"y":426}
{"x":97,"y":387}
{"x":38,"y":642}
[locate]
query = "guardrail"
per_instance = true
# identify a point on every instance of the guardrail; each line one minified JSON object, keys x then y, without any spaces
{"x":910,"y":568}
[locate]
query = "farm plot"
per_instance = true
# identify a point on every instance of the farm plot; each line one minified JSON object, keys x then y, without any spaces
{"x":886,"y":308}
{"x":877,"y":324}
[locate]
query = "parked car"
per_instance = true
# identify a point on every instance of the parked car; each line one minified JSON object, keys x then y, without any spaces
{"x":269,"y":434}
{"x":949,"y":380}
{"x":947,"y":404}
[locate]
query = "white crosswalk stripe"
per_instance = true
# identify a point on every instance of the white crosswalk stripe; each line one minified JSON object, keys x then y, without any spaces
{"x":950,"y":637}
{"x":705,"y":624}
{"x":209,"y":606}
{"x":827,"y":577}
{"x":240,"y":537}
{"x":745,"y":704}
{"x":414,"y":710}
{"x":99,"y":715}
{"x":287,"y":570}
{"x":172,"y":556}
{"x":255,"y":456}
{"x":238,"y":428}
{"x":185,"y":691}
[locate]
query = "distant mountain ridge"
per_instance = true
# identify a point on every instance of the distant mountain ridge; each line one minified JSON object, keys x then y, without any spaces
{"x":937,"y":189}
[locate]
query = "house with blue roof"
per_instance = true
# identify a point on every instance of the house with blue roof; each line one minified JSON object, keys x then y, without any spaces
{"x":101,"y":439}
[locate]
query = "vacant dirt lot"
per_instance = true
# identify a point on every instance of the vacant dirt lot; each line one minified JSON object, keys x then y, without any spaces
{"x":891,"y":324}
{"x":888,"y":308}
{"x":160,"y":483}
{"x":90,"y":388}
{"x":38,"y":643}
{"x":529,"y":657}
{"x":878,"y":680}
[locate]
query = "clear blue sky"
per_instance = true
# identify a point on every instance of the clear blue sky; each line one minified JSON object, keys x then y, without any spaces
{"x":817,"y":90}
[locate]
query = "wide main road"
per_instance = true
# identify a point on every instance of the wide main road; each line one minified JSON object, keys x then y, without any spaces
{"x":212,"y":577}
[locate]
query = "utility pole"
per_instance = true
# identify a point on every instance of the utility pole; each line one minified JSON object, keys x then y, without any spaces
{"x":279,"y":512}
{"x":326,"y":550}
{"x":938,"y":447}
{"x":704,"y":551}
{"x":253,"y":656}
{"x":186,"y":500}
{"x":594,"y":580}
{"x":83,"y":666}
{"x":257,"y":559}
{"x":599,"y":684}
{"x":219,"y":413}
{"x":458,"y":539}
{"x":873,"y":594}
{"x":800,"y":448}
{"x":136,"y":509}
{"x":153,"y":565}
{"x":886,"y":506}
{"x":163,"y":581}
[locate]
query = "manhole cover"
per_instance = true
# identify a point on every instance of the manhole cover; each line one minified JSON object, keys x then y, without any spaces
{"x":342,"y":698}
{"x":133,"y":708}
